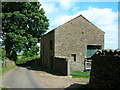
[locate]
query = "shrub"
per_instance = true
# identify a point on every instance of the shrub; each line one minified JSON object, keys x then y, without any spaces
{"x":2,"y":53}
{"x":24,"y":59}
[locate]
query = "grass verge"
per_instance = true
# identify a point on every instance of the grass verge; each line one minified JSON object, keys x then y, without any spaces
{"x":2,"y":72}
{"x":6,"y":68}
{"x":78,"y":74}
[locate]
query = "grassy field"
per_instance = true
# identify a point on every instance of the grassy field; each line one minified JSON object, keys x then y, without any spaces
{"x":78,"y":74}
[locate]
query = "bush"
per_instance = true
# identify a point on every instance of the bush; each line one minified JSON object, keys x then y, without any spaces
{"x":24,"y":59}
{"x":2,"y":53}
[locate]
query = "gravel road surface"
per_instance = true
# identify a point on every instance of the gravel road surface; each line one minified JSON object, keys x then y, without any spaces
{"x":21,"y":78}
{"x":29,"y":78}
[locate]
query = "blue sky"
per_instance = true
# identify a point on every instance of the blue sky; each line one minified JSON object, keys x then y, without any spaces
{"x":103,"y":14}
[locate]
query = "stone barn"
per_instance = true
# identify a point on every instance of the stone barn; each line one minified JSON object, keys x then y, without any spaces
{"x":69,"y":47}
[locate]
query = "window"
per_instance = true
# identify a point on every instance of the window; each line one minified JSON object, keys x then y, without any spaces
{"x":51,"y":44}
{"x":74,"y":55}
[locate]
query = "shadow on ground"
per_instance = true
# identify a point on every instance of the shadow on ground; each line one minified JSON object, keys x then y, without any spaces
{"x":77,"y":86}
{"x":30,"y":66}
{"x":44,"y":69}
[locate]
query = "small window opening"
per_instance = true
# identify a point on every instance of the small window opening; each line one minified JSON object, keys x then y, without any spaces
{"x":74,"y":55}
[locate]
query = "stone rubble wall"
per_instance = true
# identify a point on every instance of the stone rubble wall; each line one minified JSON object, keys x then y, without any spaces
{"x":105,"y":72}
{"x":8,"y":62}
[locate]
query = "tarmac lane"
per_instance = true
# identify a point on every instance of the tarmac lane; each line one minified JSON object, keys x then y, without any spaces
{"x":21,"y":78}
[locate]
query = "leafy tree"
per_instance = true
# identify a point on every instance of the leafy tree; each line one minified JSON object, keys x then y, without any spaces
{"x":23,"y":23}
{"x":32,"y":51}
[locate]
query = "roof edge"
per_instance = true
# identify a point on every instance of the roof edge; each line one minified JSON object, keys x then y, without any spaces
{"x":72,"y":20}
{"x":92,"y":23}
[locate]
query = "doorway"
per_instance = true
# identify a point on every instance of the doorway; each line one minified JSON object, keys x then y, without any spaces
{"x":91,"y":49}
{"x":51,"y":59}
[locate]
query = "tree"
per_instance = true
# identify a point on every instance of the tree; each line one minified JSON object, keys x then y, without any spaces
{"x":23,"y":23}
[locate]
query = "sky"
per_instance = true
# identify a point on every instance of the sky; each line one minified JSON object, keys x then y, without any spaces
{"x":101,"y":13}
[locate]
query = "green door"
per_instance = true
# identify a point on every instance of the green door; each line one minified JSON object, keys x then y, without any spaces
{"x":90,"y":52}
{"x":91,"y":49}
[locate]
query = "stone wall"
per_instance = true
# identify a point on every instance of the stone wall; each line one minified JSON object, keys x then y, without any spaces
{"x":105,"y":72}
{"x":60,"y":65}
{"x":32,"y":63}
{"x":46,"y":52}
{"x":8,"y":62}
{"x":76,"y":66}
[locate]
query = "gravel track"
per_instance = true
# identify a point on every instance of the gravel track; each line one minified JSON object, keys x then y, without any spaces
{"x":21,"y":78}
{"x":27,"y":78}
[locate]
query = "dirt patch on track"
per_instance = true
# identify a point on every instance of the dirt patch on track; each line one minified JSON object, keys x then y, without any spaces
{"x":54,"y":81}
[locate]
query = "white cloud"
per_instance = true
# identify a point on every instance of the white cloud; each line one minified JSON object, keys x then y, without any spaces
{"x":111,"y":42}
{"x":119,"y":39}
{"x":49,"y":4}
{"x":61,"y":19}
{"x":112,"y":45}
{"x":49,"y":8}
{"x":100,"y":16}
{"x":75,"y":9}
{"x":66,"y":4}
